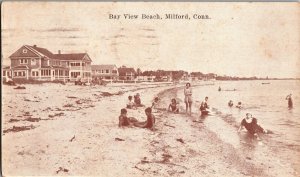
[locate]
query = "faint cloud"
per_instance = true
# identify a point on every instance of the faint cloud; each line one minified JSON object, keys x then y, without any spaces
{"x":57,"y":30}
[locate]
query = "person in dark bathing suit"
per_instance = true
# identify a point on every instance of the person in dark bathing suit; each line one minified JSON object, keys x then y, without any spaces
{"x":230,"y":103}
{"x":149,"y":123}
{"x":204,"y":107}
{"x":125,"y":121}
{"x":290,"y":101}
{"x":251,"y":125}
{"x":173,"y":106}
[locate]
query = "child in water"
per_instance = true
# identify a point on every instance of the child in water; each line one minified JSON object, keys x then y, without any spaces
{"x":173,"y":106}
{"x":230,"y":103}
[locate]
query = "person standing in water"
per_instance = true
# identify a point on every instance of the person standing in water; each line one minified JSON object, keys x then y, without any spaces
{"x":290,"y":101}
{"x":188,"y":98}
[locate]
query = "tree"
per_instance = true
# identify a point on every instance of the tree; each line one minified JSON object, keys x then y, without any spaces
{"x":139,"y":72}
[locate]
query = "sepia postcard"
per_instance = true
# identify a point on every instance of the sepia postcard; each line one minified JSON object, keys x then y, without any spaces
{"x":132,"y":89}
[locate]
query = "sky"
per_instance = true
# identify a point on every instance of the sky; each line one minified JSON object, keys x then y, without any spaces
{"x":238,"y":39}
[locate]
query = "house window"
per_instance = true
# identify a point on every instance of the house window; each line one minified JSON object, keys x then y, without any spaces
{"x":33,"y":62}
{"x":24,"y":50}
{"x":107,"y":71}
{"x":83,"y":64}
{"x":4,"y":73}
{"x":23,"y":61}
{"x":75,"y":64}
{"x":75,"y":74}
{"x":45,"y":73}
{"x":35,"y":73}
{"x":15,"y":74}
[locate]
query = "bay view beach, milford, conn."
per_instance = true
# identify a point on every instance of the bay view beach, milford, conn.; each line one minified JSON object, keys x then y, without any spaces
{"x":87,"y":95}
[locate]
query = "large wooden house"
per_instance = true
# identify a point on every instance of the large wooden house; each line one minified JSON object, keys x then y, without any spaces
{"x":107,"y":72}
{"x":125,"y":73}
{"x":32,"y":62}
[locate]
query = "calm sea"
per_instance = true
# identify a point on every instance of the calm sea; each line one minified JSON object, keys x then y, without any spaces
{"x":266,"y":102}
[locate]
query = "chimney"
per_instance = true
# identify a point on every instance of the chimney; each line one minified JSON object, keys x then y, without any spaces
{"x":34,"y":45}
{"x":59,"y":52}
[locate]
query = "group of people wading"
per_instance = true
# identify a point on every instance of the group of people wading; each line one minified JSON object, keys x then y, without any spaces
{"x":249,"y":123}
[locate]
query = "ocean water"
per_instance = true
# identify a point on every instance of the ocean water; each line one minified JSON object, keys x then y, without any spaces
{"x":266,"y":102}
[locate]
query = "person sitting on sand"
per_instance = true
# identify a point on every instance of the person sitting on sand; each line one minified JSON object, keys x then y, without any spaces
{"x":239,"y":105}
{"x":290,"y":101}
{"x":219,"y":89}
{"x":137,"y":100}
{"x":149,"y":123}
{"x":155,"y":102}
{"x":124,"y":120}
{"x":130,"y":103}
{"x":251,"y":125}
{"x":188,"y":98}
{"x":204,"y":107}
{"x":230,"y":103}
{"x":173,"y":107}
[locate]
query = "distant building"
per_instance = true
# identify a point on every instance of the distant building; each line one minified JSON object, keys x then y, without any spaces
{"x":146,"y":78}
{"x":108,"y":72}
{"x":126,"y":73}
{"x":32,"y":62}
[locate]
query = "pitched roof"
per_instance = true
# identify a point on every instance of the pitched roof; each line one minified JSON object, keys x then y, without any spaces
{"x":100,"y":67}
{"x":41,"y":51}
{"x":46,"y":53}
{"x":70,"y":56}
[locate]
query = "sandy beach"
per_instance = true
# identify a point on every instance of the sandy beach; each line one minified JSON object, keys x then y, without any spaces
{"x":72,"y":130}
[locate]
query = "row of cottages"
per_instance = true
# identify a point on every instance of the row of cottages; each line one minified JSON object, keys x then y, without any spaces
{"x":32,"y":62}
{"x":113,"y":73}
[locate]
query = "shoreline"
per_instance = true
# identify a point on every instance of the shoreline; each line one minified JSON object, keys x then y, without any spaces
{"x":243,"y":161}
{"x":90,"y":142}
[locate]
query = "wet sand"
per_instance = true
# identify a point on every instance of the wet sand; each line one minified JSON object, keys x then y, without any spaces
{"x":71,"y":130}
